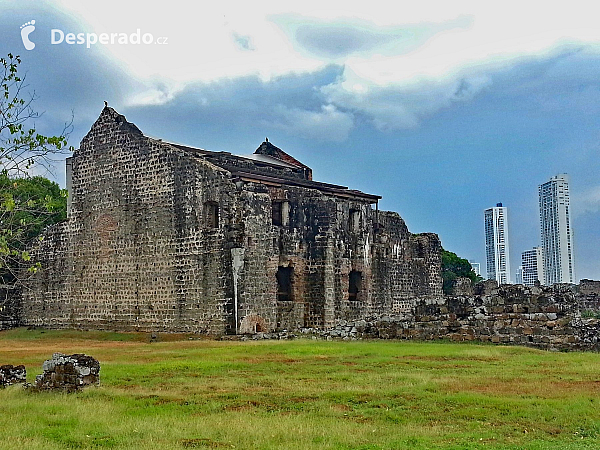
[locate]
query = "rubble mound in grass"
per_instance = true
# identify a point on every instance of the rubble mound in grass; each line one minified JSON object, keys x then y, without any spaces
{"x":68,"y":373}
{"x":10,"y":374}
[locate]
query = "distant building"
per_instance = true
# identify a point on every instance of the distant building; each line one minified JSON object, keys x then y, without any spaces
{"x":556,"y":231}
{"x":476,"y":268}
{"x":496,"y":244}
{"x":519,"y":275}
{"x":532,"y":262}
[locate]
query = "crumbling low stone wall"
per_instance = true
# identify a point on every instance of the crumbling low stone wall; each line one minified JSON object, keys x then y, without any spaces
{"x":554,"y":318}
{"x":546,"y":318}
{"x":588,"y":297}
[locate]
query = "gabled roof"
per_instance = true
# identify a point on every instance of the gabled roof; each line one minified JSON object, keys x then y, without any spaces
{"x":274,"y":170}
{"x":268,"y":149}
{"x":268,"y":165}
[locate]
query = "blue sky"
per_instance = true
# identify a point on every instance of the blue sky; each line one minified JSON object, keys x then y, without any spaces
{"x":442,"y":109}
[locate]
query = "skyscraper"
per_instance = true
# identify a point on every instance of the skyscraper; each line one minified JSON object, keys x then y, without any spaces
{"x":532,"y":262}
{"x":496,"y":244}
{"x":556,"y":231}
{"x":476,"y":267}
{"x":519,"y":275}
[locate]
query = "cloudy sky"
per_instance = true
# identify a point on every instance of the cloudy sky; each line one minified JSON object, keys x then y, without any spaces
{"x":443,"y":108}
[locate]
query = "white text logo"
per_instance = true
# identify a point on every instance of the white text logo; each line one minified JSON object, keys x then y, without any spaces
{"x":58,"y":37}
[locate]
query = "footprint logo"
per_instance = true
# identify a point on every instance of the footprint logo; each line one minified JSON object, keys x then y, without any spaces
{"x":26,"y":30}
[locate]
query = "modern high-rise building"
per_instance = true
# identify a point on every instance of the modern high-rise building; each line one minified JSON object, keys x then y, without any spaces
{"x":476,"y":267}
{"x":496,"y":244}
{"x":519,"y":275}
{"x":532,"y":262}
{"x":556,"y":231}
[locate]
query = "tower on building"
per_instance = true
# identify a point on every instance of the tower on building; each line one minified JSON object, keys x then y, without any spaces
{"x":496,"y":244}
{"x":556,"y":231}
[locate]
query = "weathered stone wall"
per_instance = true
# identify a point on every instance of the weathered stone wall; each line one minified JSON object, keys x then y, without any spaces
{"x":546,"y":318}
{"x":133,"y":253}
{"x":68,"y":373}
{"x":10,"y":374}
{"x":589,"y":297}
{"x":10,"y":307}
{"x":589,"y":287}
{"x":160,"y":238}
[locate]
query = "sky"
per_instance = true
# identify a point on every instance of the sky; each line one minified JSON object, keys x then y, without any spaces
{"x":443,"y":108}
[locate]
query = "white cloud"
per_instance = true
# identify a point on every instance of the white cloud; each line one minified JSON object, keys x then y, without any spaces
{"x":402,"y":61}
{"x":201,"y":48}
{"x":397,"y":106}
{"x":328,"y":124}
{"x":587,"y":202}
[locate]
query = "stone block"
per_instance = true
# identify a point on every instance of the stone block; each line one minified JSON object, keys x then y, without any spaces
{"x":10,"y":374}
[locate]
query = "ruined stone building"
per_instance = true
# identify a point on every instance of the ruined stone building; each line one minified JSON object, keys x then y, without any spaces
{"x":166,"y":237}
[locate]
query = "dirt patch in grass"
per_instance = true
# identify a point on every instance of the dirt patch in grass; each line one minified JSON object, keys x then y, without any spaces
{"x":450,"y":358}
{"x":204,"y":442}
{"x":271,"y":359}
{"x":340,"y":407}
{"x":534,"y":388}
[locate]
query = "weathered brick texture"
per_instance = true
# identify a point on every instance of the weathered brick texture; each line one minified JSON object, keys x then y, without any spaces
{"x":164,"y":237}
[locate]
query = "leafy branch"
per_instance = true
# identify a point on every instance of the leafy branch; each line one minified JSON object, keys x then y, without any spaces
{"x":27,"y":204}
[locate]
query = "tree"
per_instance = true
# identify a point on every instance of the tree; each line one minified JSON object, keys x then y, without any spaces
{"x":27,"y":204}
{"x":454,"y":267}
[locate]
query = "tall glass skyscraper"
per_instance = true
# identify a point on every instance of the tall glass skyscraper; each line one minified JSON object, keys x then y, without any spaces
{"x":556,"y":231}
{"x":532,"y":262}
{"x":496,"y":244}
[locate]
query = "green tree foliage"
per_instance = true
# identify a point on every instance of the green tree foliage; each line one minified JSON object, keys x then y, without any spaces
{"x":27,"y":204}
{"x":454,"y":267}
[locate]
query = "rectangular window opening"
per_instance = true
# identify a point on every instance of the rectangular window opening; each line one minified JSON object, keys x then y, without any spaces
{"x":285,"y":277}
{"x":281,"y":213}
{"x":277,"y":214}
{"x":211,"y":214}
{"x":354,"y":285}
{"x":354,"y":220}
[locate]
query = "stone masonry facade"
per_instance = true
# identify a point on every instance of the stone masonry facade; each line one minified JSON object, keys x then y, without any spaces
{"x":169,"y":238}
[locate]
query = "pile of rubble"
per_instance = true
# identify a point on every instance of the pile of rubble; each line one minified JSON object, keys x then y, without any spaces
{"x":68,"y":373}
{"x":62,"y":372}
{"x":10,"y":374}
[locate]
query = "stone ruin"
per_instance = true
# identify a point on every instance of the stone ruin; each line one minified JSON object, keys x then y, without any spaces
{"x":163,"y":237}
{"x":10,"y":374}
{"x":550,"y":318}
{"x":68,"y":373}
{"x":62,"y":372}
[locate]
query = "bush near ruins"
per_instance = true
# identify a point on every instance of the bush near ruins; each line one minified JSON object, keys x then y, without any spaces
{"x":27,"y":204}
{"x":454,"y":267}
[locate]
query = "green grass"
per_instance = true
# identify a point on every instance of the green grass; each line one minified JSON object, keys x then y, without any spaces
{"x":302,"y":394}
{"x":590,"y":314}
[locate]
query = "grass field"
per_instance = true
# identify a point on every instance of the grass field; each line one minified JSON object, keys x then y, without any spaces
{"x":302,"y":394}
